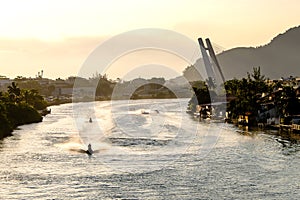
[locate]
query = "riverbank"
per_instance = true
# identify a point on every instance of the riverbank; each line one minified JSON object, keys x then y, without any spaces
{"x":19,"y":107}
{"x":16,"y":115}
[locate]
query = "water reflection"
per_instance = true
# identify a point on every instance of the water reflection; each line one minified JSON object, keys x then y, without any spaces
{"x":38,"y":161}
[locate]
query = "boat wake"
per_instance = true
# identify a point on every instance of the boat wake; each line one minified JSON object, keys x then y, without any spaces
{"x":125,"y":142}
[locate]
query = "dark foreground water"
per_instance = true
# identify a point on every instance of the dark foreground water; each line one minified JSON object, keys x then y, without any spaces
{"x":165,"y":154}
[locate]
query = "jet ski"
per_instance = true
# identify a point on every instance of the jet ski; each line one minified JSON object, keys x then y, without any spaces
{"x":89,"y":151}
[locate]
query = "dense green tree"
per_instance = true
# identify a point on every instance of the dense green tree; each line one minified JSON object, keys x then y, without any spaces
{"x":19,"y":107}
{"x":202,"y":95}
{"x":287,"y":102}
{"x":5,"y":125}
{"x":14,"y":92}
{"x":247,"y":92}
{"x":104,"y":86}
{"x":33,"y":98}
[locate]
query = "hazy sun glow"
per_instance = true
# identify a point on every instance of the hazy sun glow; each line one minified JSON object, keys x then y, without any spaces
{"x":58,"y":35}
{"x":145,"y":63}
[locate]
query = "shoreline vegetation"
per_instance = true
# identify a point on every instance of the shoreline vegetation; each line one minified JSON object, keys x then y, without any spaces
{"x":254,"y":101}
{"x":19,"y":107}
{"x":26,"y":100}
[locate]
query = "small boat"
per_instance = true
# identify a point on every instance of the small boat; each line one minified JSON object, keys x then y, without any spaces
{"x":45,"y":112}
{"x":144,"y":112}
{"x":89,"y":151}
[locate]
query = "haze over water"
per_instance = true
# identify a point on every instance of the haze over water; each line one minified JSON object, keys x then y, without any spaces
{"x":161,"y":155}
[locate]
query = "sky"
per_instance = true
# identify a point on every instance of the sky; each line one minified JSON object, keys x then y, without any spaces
{"x":58,"y":36}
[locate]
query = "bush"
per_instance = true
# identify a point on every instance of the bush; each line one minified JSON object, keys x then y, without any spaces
{"x":19,"y":114}
{"x":5,"y":126}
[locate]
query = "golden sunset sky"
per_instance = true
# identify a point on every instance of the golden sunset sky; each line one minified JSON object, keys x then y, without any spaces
{"x":57,"y":36}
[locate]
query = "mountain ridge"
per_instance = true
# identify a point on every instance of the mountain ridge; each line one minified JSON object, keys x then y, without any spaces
{"x":278,"y":58}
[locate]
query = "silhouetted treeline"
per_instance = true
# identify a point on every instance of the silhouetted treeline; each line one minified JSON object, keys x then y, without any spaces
{"x":18,"y":107}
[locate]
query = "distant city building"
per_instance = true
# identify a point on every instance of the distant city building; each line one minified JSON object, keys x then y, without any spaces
{"x":4,"y":82}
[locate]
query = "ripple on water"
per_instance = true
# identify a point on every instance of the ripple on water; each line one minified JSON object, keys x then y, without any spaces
{"x":36,"y":165}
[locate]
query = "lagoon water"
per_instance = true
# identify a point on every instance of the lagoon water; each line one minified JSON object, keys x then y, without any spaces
{"x":165,"y":154}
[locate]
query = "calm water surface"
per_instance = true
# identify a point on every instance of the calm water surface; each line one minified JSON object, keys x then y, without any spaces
{"x":165,"y":154}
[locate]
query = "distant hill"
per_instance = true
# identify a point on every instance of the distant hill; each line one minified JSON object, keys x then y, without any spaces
{"x":279,"y":58}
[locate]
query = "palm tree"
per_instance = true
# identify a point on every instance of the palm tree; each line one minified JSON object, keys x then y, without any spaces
{"x":14,"y":92}
{"x":13,"y":88}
